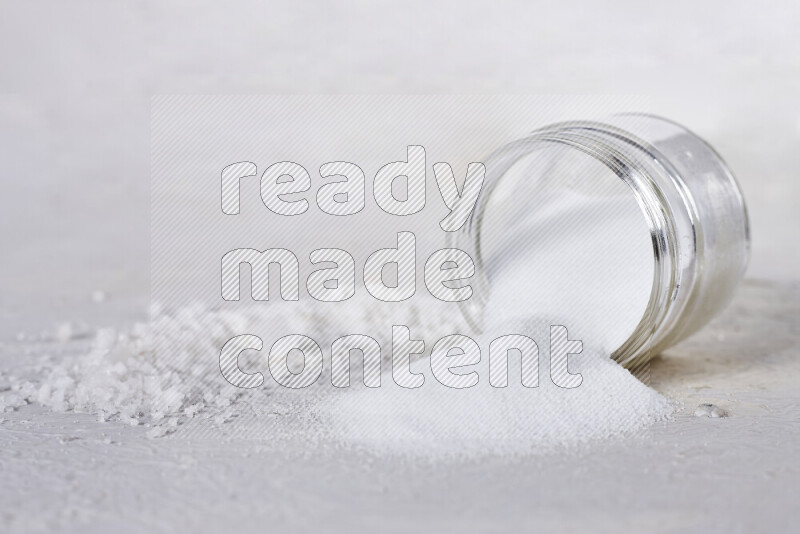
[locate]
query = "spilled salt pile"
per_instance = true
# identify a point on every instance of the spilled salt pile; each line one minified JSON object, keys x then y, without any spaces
{"x":127,"y":377}
{"x":435,"y":420}
{"x":439,"y":421}
{"x":165,"y":373}
{"x":582,"y":259}
{"x":162,"y":373}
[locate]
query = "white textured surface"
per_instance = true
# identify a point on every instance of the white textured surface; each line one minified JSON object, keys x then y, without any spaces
{"x":67,"y":473}
{"x":75,"y":81}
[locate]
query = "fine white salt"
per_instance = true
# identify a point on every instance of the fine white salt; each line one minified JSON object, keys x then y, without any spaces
{"x":438,"y":421}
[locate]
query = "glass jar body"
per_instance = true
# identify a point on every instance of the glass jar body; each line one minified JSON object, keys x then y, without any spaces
{"x":690,"y":200}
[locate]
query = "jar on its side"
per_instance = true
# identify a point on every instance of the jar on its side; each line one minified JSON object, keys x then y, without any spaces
{"x":692,"y":205}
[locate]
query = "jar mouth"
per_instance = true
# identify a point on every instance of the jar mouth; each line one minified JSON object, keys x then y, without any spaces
{"x":664,"y":200}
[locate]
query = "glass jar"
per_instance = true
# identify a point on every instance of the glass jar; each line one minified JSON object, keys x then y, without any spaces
{"x":688,"y":200}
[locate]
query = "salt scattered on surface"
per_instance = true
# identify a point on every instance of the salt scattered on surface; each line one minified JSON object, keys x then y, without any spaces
{"x":162,"y":374}
{"x":10,"y":401}
{"x":64,"y":332}
{"x":710,"y":410}
{"x":165,"y":372}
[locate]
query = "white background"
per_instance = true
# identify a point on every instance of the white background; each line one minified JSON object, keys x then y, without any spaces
{"x":76,"y":79}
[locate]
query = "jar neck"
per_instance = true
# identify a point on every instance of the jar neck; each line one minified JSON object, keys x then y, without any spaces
{"x":670,"y":216}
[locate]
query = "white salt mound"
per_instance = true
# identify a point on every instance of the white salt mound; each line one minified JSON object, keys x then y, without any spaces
{"x":582,"y":261}
{"x":440,"y":421}
{"x":437,"y":420}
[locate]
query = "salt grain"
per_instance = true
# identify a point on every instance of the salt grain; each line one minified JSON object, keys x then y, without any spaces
{"x":64,"y":332}
{"x":710,"y":410}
